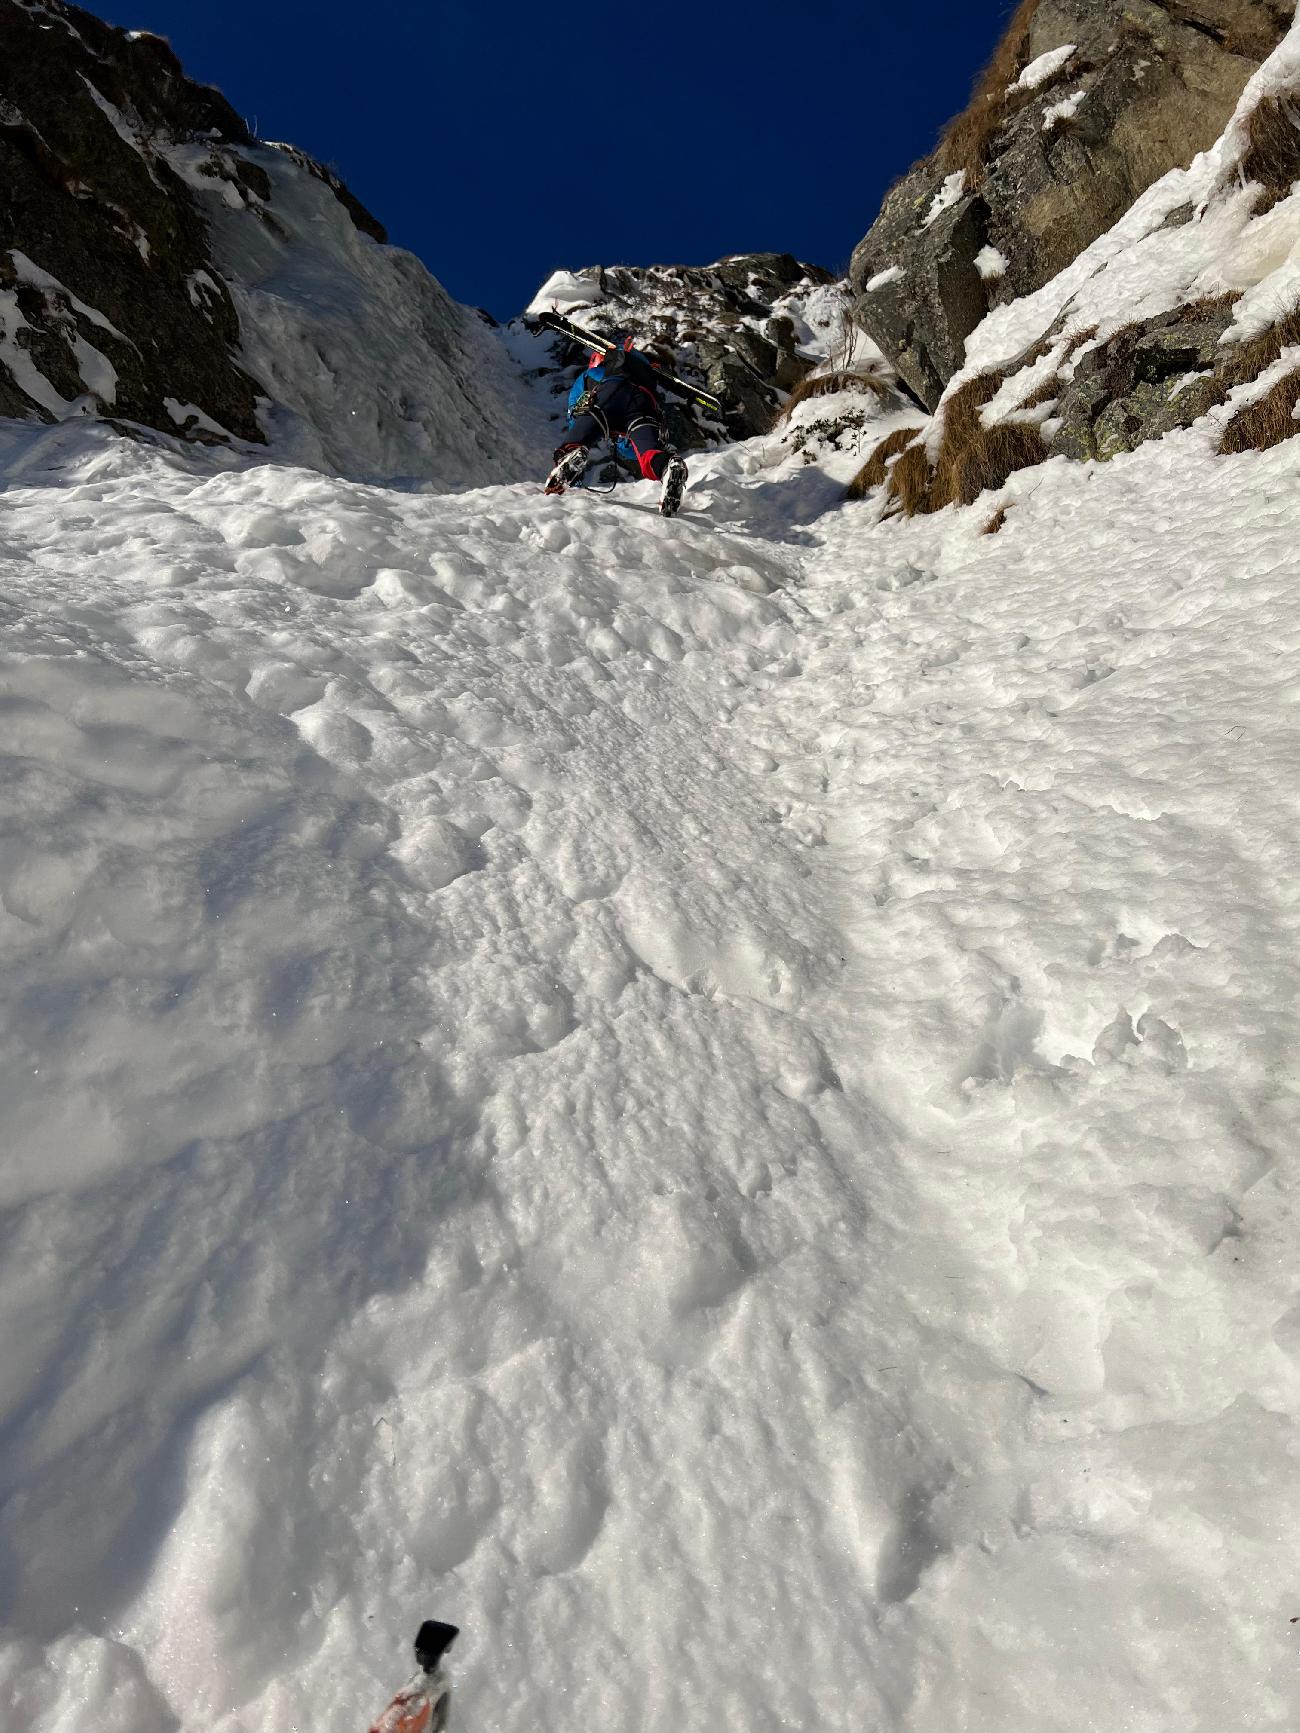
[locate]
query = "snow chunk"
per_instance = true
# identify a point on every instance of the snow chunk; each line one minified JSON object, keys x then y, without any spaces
{"x":1037,"y":73}
{"x":946,"y":197}
{"x":891,"y":275}
{"x":991,"y":264}
{"x":98,"y":373}
{"x":202,"y":290}
{"x":563,"y":291}
{"x":1061,"y":113}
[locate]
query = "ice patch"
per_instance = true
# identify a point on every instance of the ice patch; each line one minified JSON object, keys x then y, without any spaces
{"x":18,"y":359}
{"x":28,"y":272}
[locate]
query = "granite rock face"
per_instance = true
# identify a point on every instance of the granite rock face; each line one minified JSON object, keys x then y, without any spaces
{"x":1102,"y":98}
{"x":110,"y":302}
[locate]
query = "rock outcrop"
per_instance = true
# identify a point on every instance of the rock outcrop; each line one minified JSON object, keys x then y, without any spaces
{"x":161,"y":267}
{"x":1145,"y":381}
{"x":107,"y":296}
{"x":1087,"y":103}
{"x":740,"y":327}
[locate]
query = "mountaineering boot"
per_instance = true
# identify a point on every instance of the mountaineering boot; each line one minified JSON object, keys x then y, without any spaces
{"x":567,"y":470}
{"x":672,"y":487}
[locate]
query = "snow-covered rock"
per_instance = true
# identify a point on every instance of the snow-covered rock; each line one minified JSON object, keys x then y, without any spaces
{"x":1187,"y":310}
{"x":154,"y":256}
{"x":1047,"y":165}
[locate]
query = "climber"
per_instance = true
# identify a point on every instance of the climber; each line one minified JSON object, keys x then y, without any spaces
{"x":616,"y":398}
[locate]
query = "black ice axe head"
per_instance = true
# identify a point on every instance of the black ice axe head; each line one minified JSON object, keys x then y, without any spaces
{"x":432,"y":1641}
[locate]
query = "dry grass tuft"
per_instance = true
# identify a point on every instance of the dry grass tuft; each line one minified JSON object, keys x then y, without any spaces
{"x":875,"y":470}
{"x":973,"y":457}
{"x":1047,"y":392}
{"x":1272,"y":158}
{"x":1246,"y":361}
{"x":986,"y":463}
{"x":1261,"y":426}
{"x":909,"y":480}
{"x":995,"y":523}
{"x":826,"y":384}
{"x":966,"y":141}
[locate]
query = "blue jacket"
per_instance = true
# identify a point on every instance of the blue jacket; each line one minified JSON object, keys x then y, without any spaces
{"x":592,"y":376}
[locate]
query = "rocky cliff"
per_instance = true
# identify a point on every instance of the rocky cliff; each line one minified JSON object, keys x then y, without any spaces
{"x":1185,"y":312}
{"x":108,"y":297}
{"x":161,"y":267}
{"x":1085,"y":105}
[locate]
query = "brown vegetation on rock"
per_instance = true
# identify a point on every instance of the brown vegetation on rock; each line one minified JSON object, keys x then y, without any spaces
{"x":1246,"y":361}
{"x":973,"y":457}
{"x":909,"y":480}
{"x":1046,"y":393}
{"x":826,"y":384}
{"x":875,"y":470}
{"x":1262,"y":425}
{"x":1157,"y":81}
{"x":965,"y":143}
{"x":1272,"y":157}
{"x":1269,"y":421}
{"x":984,"y":461}
{"x":1255,"y":29}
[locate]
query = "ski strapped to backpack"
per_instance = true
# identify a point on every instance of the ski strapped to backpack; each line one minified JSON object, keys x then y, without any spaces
{"x":589,"y":340}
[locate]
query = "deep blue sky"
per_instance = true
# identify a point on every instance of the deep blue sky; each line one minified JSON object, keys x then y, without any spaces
{"x":500,"y":141}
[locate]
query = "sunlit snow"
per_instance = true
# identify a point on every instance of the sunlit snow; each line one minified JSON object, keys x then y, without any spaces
{"x":712,"y":1100}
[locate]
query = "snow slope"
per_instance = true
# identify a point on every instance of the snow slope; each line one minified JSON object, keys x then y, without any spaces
{"x":714,"y":1101}
{"x":709,"y":1100}
{"x":371,"y":370}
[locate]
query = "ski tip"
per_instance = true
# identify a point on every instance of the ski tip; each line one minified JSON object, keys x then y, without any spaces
{"x":432,"y":1641}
